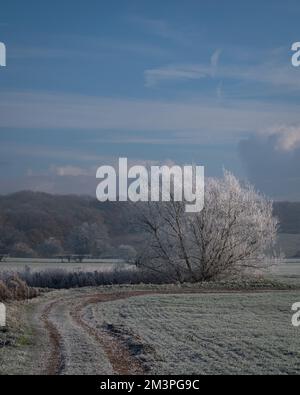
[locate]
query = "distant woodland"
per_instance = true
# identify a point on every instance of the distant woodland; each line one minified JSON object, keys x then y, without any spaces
{"x":34,"y":224}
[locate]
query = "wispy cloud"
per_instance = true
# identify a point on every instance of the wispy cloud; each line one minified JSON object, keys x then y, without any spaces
{"x":201,"y":119}
{"x":73,"y":171}
{"x":182,"y":72}
{"x":214,"y":61}
{"x":41,"y":151}
{"x":175,"y":73}
{"x":272,"y":73}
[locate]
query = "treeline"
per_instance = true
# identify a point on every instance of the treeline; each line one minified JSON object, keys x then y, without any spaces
{"x":34,"y":224}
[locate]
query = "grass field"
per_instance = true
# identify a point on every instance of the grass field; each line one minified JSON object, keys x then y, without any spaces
{"x":288,"y":271}
{"x":39,"y":265}
{"x":289,"y":243}
{"x":129,"y":329}
{"x":211,"y":328}
{"x":209,"y":333}
{"x":290,"y":267}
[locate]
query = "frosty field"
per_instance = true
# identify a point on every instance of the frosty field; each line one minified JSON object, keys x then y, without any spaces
{"x":158,"y":330}
{"x":288,"y":269}
{"x":38,"y":265}
{"x":170,"y":329}
{"x":209,"y":334}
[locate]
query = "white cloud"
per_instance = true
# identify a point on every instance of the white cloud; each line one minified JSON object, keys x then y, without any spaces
{"x":287,"y":137}
{"x":73,"y":171}
{"x":272,"y":161}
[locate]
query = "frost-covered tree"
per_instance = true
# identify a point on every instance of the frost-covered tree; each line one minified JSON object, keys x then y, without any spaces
{"x":235,"y":232}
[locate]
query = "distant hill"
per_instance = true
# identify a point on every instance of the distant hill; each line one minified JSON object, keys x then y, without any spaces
{"x":288,"y":214}
{"x":33,"y":217}
{"x":290,"y":244}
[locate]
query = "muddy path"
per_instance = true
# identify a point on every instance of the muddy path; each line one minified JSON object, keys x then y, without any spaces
{"x":55,"y":360}
{"x":78,"y":345}
{"x":72,"y":350}
{"x":117,"y":353}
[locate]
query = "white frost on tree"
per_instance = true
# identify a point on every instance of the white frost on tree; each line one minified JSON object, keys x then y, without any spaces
{"x":235,"y":232}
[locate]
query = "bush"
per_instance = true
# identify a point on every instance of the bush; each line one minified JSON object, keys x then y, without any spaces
{"x":62,"y":279}
{"x":5,"y":293}
{"x":12,"y":287}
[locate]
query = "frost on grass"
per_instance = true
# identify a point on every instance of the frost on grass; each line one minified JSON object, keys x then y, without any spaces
{"x":211,"y":333}
{"x":15,"y":342}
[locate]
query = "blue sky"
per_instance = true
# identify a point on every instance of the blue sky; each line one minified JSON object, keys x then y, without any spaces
{"x":208,"y":82}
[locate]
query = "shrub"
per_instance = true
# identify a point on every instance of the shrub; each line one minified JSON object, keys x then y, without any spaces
{"x":12,"y":287}
{"x":62,"y":279}
{"x":5,"y":293}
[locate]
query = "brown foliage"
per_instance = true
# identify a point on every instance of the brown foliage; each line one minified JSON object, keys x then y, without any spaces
{"x":13,"y":288}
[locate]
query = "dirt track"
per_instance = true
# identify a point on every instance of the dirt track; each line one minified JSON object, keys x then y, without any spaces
{"x":77,"y":345}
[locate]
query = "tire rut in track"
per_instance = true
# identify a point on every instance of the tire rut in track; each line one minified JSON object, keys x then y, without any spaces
{"x":122,"y":361}
{"x":55,"y":363}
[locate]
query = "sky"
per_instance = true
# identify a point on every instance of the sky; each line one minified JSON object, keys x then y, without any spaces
{"x":203,"y":82}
